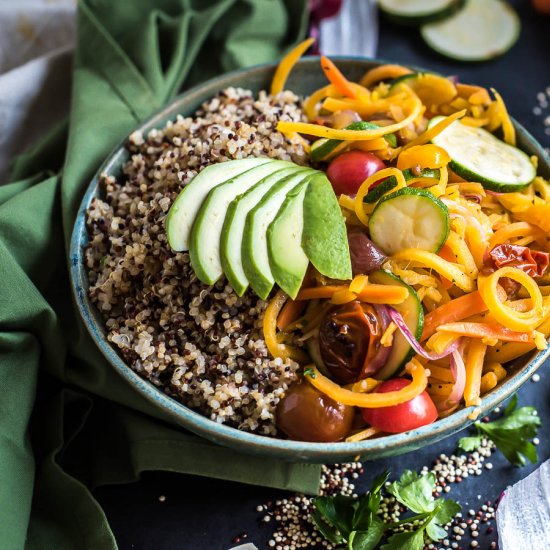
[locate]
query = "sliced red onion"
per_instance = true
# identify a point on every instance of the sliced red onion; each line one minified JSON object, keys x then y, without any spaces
{"x":382,"y":354}
{"x":474,"y":197}
{"x":458,"y":369}
{"x":493,"y":193}
{"x":409,"y":336}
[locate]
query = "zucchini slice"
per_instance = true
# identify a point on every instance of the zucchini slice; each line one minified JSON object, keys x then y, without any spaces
{"x":477,"y":155}
{"x":411,"y":310}
{"x":387,"y":185}
{"x":484,"y":29}
{"x":409,"y":218}
{"x":418,"y":12}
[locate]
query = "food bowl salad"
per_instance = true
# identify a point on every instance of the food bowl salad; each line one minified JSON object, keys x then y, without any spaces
{"x":359,"y":263}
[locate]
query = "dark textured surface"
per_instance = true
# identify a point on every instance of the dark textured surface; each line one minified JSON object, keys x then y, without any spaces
{"x":202,"y":513}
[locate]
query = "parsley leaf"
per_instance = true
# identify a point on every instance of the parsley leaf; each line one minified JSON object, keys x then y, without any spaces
{"x":511,"y":434}
{"x":328,"y":531}
{"x":355,"y":523}
{"x":471,"y":443}
{"x":445,"y":511}
{"x":367,"y":540}
{"x":414,"y":491}
{"x":413,"y":540}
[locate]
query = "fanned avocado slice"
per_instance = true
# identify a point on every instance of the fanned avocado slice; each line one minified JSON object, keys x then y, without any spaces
{"x":255,"y":254}
{"x":234,"y":226}
{"x":324,"y":237}
{"x":204,"y":249}
{"x":287,"y":258}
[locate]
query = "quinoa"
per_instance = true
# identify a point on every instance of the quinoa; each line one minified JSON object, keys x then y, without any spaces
{"x":202,"y":345}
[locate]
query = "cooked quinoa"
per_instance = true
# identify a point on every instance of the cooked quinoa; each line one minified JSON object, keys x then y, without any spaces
{"x":201,"y":345}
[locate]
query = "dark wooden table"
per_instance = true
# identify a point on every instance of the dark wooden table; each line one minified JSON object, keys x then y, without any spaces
{"x":199,"y":513}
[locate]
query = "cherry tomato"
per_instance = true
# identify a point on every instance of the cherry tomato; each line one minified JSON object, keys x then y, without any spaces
{"x":349,"y":170}
{"x":306,"y":414}
{"x":404,"y":417}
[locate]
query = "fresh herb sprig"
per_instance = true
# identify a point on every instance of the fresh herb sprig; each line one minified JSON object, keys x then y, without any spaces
{"x":355,"y":524}
{"x":512,"y":434}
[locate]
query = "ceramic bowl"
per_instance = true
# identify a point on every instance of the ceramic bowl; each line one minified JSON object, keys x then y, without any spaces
{"x":305,"y":78}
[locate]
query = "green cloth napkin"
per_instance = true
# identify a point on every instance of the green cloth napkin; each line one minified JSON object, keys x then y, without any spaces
{"x":68,"y":422}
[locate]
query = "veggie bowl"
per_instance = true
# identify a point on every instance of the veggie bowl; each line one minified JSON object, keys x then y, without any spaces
{"x":320,"y":280}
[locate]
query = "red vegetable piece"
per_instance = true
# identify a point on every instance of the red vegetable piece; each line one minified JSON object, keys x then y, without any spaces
{"x":412,"y":414}
{"x":533,"y":262}
{"x":366,"y":257}
{"x":349,"y":170}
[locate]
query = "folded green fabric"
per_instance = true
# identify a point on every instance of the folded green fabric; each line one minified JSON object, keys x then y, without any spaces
{"x":87,"y":425}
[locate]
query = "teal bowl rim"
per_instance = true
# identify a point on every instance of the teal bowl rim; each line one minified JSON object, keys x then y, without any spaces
{"x":232,"y":437}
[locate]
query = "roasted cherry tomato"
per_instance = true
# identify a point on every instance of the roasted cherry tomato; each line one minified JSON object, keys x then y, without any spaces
{"x":404,"y":417}
{"x":349,"y":341}
{"x":349,"y":170}
{"x":306,"y":414}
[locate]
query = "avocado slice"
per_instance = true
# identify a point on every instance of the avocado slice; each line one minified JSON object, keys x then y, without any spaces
{"x":204,"y":244}
{"x":287,"y":258}
{"x":255,"y":255}
{"x":184,"y":209}
{"x":324,"y":237}
{"x":234,"y":224}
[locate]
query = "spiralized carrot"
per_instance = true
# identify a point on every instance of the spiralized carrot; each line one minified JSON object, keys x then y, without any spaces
{"x":337,"y":79}
{"x":290,"y":312}
{"x":455,"y":310}
{"x":486,"y":330}
{"x":474,"y":367}
{"x":286,"y":65}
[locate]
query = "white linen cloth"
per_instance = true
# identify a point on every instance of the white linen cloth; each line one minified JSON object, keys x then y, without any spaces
{"x":36,"y":38}
{"x":523,"y":515}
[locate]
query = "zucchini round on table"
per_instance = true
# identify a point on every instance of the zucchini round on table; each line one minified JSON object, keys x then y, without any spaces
{"x":418,"y":12}
{"x":409,"y":218}
{"x":477,"y":155}
{"x":482,"y":30}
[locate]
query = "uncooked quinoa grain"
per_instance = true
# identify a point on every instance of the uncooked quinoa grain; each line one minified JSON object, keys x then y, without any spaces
{"x":201,"y":345}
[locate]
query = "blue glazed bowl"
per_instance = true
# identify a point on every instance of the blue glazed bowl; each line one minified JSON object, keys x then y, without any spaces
{"x":305,"y":78}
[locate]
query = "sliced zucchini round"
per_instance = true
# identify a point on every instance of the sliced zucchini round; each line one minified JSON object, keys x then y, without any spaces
{"x":418,"y":12}
{"x":484,"y":29}
{"x":477,"y":155}
{"x":409,"y":218}
{"x":413,"y":315}
{"x":391,"y":182}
